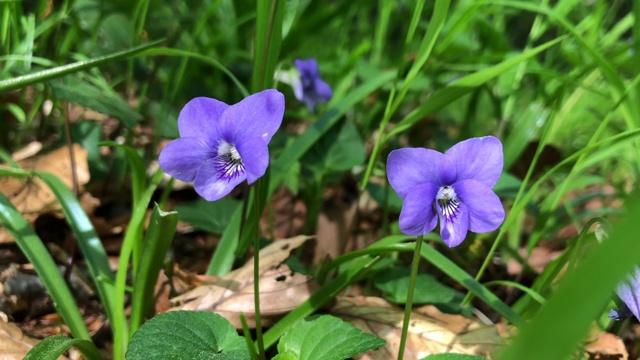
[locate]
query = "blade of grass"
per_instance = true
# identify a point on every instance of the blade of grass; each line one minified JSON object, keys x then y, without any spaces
{"x":270,"y":14}
{"x":162,"y":51}
{"x":136,"y":224}
{"x":523,"y":198}
{"x":463,"y":86}
{"x":87,"y":240}
{"x":438,"y":18}
{"x":138,"y":173}
{"x":566,"y":318}
{"x":40,"y":76}
{"x":33,"y":248}
{"x":157,"y":242}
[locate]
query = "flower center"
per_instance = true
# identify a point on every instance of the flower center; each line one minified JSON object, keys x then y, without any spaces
{"x":448,"y":201}
{"x":229,"y":162}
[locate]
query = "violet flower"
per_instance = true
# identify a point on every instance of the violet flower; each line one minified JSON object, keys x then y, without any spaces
{"x":310,"y":88}
{"x":222,"y":145}
{"x":629,"y":293}
{"x":456,"y":186}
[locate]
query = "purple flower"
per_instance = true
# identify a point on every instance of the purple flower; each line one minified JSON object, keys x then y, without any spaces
{"x":629,"y":293}
{"x":310,"y":89}
{"x":222,"y":145}
{"x":456,"y":185}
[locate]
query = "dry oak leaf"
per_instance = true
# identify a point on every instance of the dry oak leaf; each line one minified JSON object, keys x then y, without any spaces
{"x":606,"y":347}
{"x":32,"y":196}
{"x":14,"y":345}
{"x":427,"y":335}
{"x":281,"y":290}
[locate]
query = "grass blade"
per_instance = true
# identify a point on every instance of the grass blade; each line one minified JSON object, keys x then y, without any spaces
{"x":24,"y":80}
{"x":463,"y":86}
{"x":560,"y":325}
{"x":33,"y":248}
{"x":157,"y":242}
{"x":270,"y":14}
{"x":87,"y":240}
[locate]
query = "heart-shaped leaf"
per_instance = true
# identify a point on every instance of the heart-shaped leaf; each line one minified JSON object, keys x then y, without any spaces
{"x":325,"y":337}
{"x":187,"y":335}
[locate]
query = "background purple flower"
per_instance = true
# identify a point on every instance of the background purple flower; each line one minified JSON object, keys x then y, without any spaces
{"x":456,"y":186}
{"x":311,"y":89}
{"x":220,"y":146}
{"x":629,"y":293}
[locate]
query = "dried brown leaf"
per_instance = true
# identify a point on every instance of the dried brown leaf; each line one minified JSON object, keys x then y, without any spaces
{"x":428,"y":334}
{"x":14,"y":344}
{"x":606,"y":347}
{"x":31,"y":196}
{"x":280,"y":289}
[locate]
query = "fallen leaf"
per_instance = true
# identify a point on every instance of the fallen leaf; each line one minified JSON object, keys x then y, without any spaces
{"x":31,"y":196}
{"x":606,"y":347}
{"x":14,"y":344}
{"x":281,"y":290}
{"x":428,"y":334}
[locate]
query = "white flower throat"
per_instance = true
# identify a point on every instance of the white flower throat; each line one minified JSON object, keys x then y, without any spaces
{"x":448,"y":201}
{"x":229,"y":160}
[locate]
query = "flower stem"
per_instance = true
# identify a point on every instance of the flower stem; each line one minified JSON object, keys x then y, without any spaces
{"x":256,"y":267}
{"x":409,"y":303}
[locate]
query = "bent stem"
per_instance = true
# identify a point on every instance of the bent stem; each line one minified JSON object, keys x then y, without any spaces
{"x":256,"y":267}
{"x":409,"y":303}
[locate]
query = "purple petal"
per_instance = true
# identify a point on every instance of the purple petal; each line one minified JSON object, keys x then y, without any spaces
{"x":411,"y":167}
{"x":255,"y":157}
{"x":453,"y":230}
{"x":182,"y":157}
{"x":478,"y":158}
{"x":323,"y":91}
{"x":200,"y":117}
{"x":418,"y":216}
{"x":211,"y":184}
{"x":629,"y":292}
{"x":257,"y":115}
{"x":307,"y":68}
{"x":485,"y":209}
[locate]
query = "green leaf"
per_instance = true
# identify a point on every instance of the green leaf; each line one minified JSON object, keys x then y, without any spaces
{"x":340,"y":149}
{"x":210,"y":216}
{"x":377,"y":192}
{"x":285,"y":357}
{"x":75,"y":90}
{"x":453,"y":357}
{"x":326,"y":337}
{"x":196,"y":335}
{"x":395,"y":284}
{"x":53,"y":347}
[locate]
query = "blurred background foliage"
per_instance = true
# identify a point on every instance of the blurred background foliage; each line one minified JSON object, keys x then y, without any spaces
{"x":576,"y":93}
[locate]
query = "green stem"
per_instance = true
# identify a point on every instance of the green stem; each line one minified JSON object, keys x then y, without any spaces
{"x":407,"y":306}
{"x":256,"y":267}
